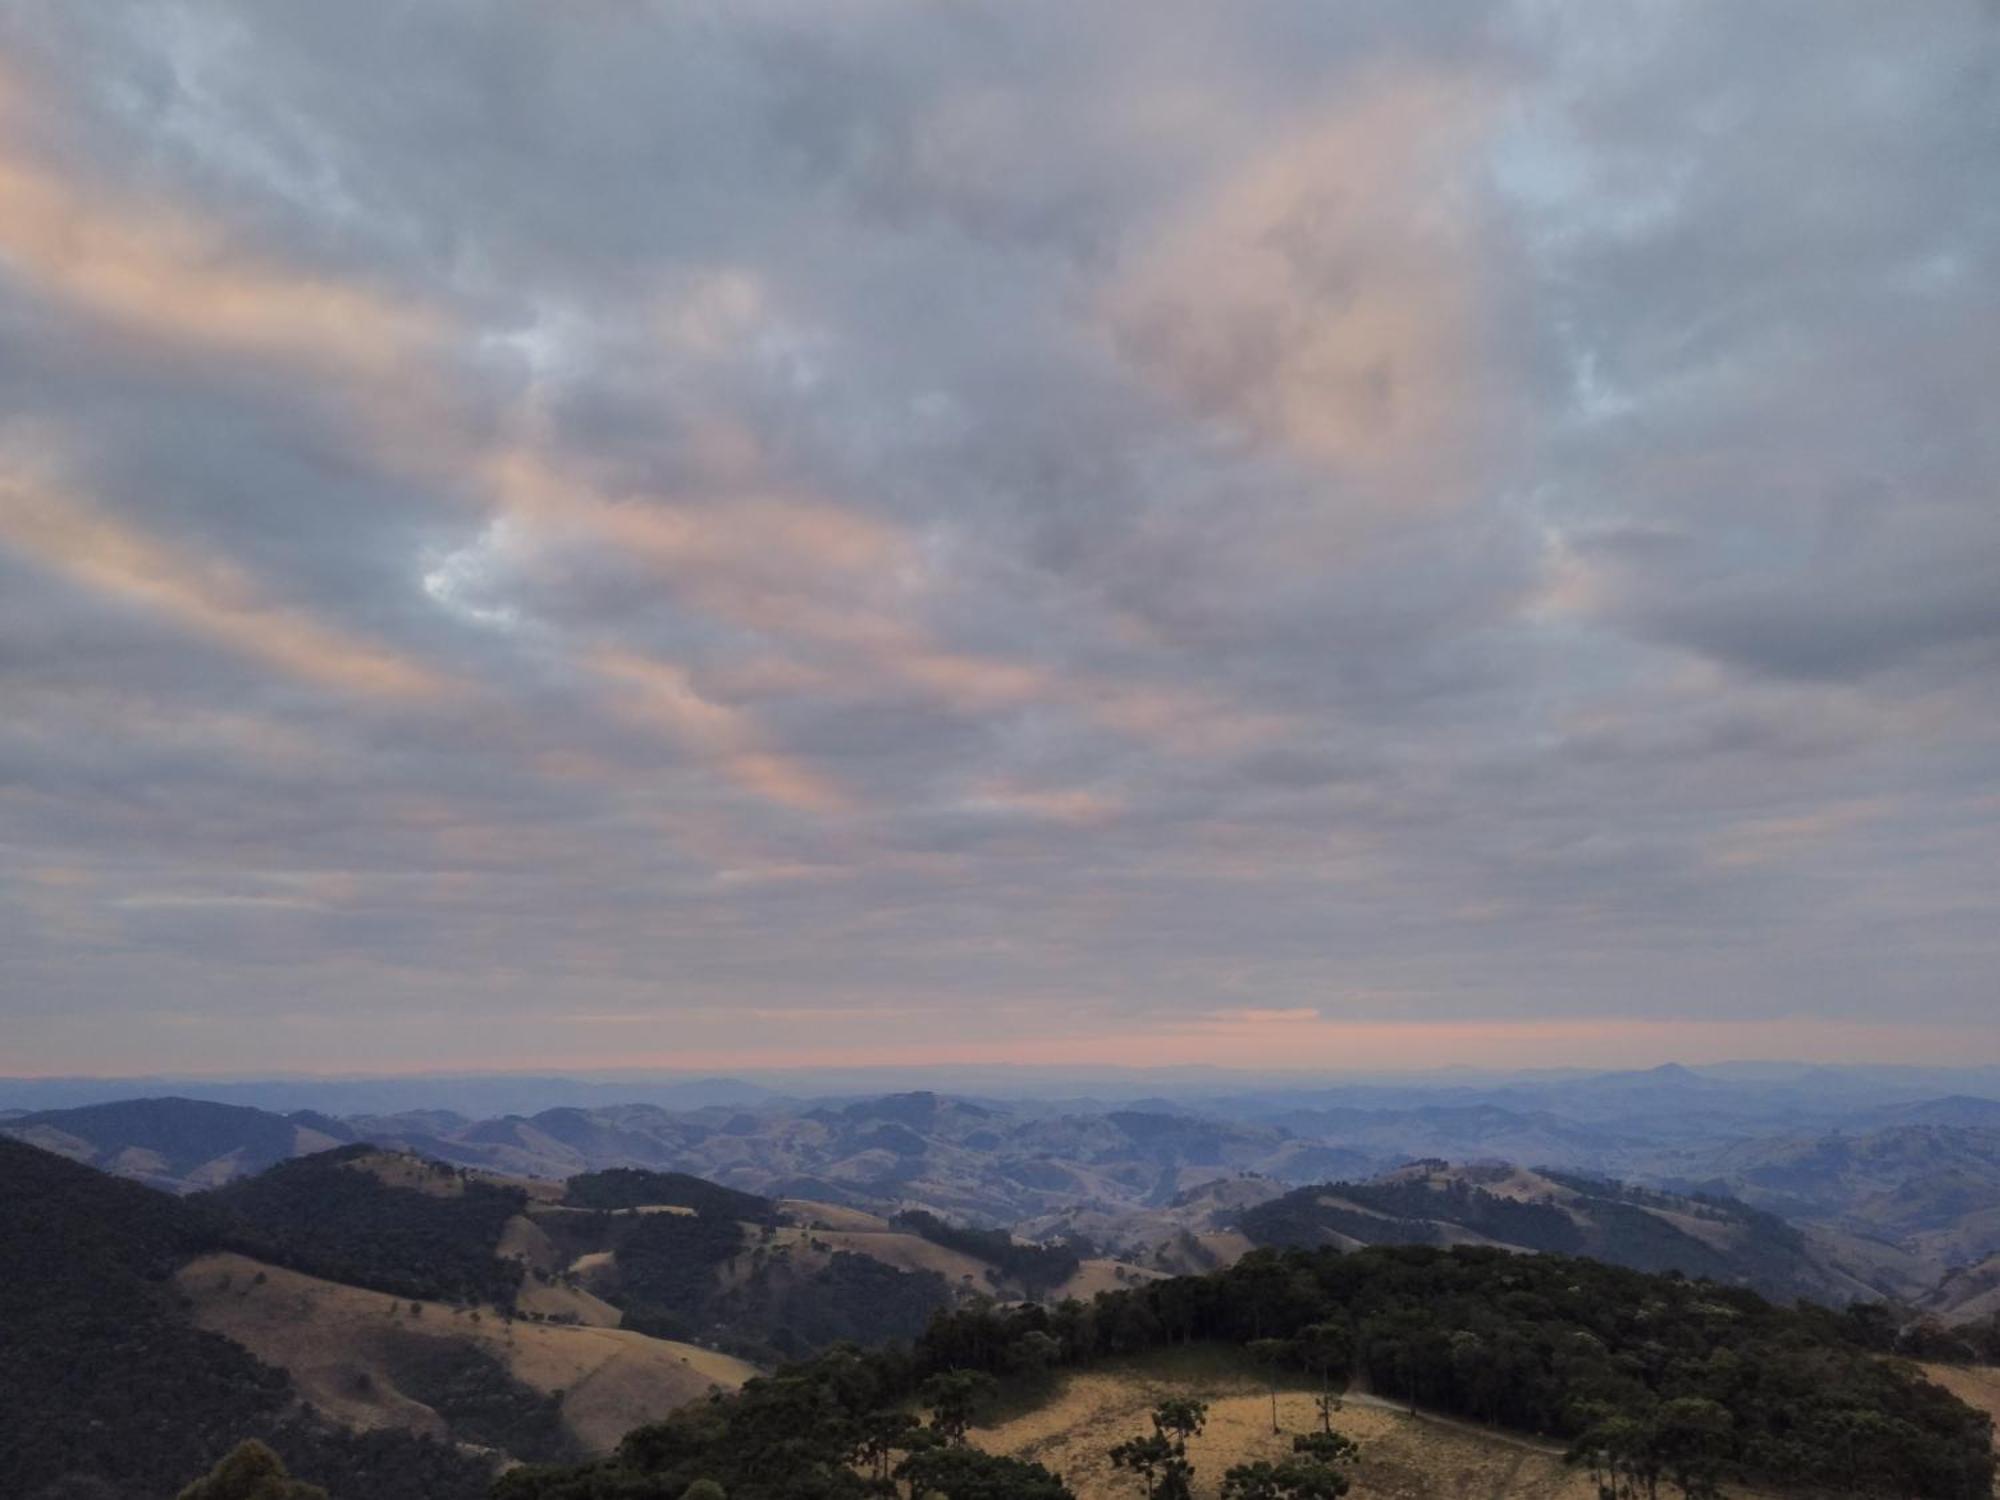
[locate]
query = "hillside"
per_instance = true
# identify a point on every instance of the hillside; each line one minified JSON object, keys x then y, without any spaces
{"x":958,"y":1158}
{"x":683,"y":1258}
{"x":1887,"y":1211}
{"x":1632,"y":1372}
{"x":535,"y":1390}
{"x":395,"y":1224}
{"x":1402,"y":1456}
{"x":1191,"y":1232}
{"x":360,"y":1311}
{"x":180,"y":1145}
{"x":1931,"y":1190}
{"x":112,"y":1389}
{"x":663,"y":1254}
{"x":1430,"y":1203}
{"x":961,"y":1159}
{"x":1968,"y":1294}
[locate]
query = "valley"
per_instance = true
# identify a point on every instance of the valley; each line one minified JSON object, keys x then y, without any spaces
{"x":1894,"y":1190}
{"x":377,"y":1297}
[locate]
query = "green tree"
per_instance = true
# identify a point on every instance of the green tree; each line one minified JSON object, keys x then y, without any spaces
{"x":1326,"y":1349}
{"x":1694,"y":1445}
{"x":968,"y":1474}
{"x":1179,"y":1419}
{"x":1161,"y":1459}
{"x":251,"y":1471}
{"x":954,"y":1398}
{"x":1315,"y":1471}
{"x":1620,"y":1451}
{"x":880,"y":1434}
{"x":1289,"y":1479}
{"x":1034,"y":1354}
{"x":1153,"y":1459}
{"x":1326,"y":1447}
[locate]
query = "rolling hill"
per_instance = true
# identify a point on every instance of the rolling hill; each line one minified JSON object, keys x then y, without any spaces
{"x":1436,"y":1204}
{"x":376,"y":1318}
{"x":1887,"y":1210}
{"x":1509,"y":1361}
{"x":180,"y":1145}
{"x":530,"y":1389}
{"x":112,"y":1391}
{"x":660,"y":1253}
{"x":1932,"y":1191}
{"x":1968,"y":1294}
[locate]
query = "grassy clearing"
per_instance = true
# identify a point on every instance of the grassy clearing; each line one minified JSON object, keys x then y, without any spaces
{"x":1406,"y":1457}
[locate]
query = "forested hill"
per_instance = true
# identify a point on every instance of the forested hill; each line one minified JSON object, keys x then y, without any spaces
{"x":329,"y":1216}
{"x":1650,"y":1378}
{"x":636,"y":1187}
{"x":1430,"y":1203}
{"x":112,"y":1394}
{"x":176,"y":1144}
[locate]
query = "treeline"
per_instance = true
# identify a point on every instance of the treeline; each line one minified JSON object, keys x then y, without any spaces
{"x":1894,"y":1330}
{"x":479,"y":1399}
{"x":668,"y":1276}
{"x":666,"y":1264}
{"x":1605,"y":1220}
{"x":1650,"y":1378}
{"x":636,"y":1187}
{"x":780,"y":1315}
{"x":112,"y":1394}
{"x":1036,"y":1269}
{"x":319,"y":1215}
{"x":1304,"y":1217}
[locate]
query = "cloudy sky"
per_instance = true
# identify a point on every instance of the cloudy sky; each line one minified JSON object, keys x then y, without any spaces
{"x":707,"y":535}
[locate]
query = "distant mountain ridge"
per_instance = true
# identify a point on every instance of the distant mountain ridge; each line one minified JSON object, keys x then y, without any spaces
{"x":1931,"y":1189}
{"x":177,"y":1144}
{"x":184,"y":1324}
{"x":1891,"y":1204}
{"x":1436,"y":1203}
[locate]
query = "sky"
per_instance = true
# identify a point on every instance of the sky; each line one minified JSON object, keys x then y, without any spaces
{"x":1283,"y":534}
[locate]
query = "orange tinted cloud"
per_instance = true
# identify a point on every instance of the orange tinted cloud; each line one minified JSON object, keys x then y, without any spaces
{"x":832,"y":583}
{"x":661,"y":694}
{"x":752,"y":536}
{"x":169,"y":273}
{"x":843,"y":588}
{"x":1325,"y":297}
{"x":1078,"y":806}
{"x":204,"y":596}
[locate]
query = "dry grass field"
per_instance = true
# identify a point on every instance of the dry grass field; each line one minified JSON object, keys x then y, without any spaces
{"x":1409,"y":1458}
{"x":329,"y":1338}
{"x":1403,"y":1456}
{"x":1094,"y":1276}
{"x":1976,"y":1385}
{"x":403,"y":1169}
{"x":831,"y":1215}
{"x":555,"y":1300}
{"x":809,"y":1249}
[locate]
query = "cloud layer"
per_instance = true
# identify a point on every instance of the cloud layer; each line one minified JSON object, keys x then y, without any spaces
{"x":626,"y":534}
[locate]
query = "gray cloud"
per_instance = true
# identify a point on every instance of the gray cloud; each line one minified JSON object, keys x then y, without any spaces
{"x":1047,"y":520}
